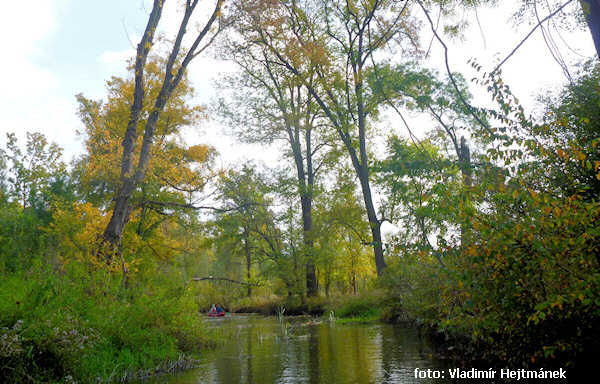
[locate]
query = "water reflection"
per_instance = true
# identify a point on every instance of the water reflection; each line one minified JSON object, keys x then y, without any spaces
{"x":302,"y":351}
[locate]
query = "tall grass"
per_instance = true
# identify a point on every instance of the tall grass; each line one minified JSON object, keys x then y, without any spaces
{"x":367,"y":307}
{"x":56,"y":329}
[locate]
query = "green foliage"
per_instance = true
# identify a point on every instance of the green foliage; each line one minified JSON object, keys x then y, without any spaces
{"x":523,"y":285}
{"x":342,"y":252}
{"x":246,"y":239}
{"x":421,"y":187}
{"x":31,"y":184}
{"x":366,"y":307}
{"x":54,"y":327}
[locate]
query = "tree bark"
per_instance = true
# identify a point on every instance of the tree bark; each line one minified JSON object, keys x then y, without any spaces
{"x":312,"y":287}
{"x":591,"y":10}
{"x":374,"y":222}
{"x":305,"y":186}
{"x":305,"y":178}
{"x":362,"y":165}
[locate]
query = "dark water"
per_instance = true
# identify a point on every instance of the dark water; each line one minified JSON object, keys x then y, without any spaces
{"x":263,"y":350}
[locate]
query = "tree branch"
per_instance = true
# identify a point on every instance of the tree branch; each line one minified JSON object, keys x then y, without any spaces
{"x":458,"y":91}
{"x":222,"y":279}
{"x":192,"y":206}
{"x":529,"y":34}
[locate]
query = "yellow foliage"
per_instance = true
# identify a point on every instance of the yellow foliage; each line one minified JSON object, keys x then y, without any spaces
{"x":105,"y":126}
{"x":79,"y":227}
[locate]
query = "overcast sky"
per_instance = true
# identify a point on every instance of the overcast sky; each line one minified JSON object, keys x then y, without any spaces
{"x":54,"y":49}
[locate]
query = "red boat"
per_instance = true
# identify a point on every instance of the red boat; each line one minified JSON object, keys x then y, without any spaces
{"x":215,"y":314}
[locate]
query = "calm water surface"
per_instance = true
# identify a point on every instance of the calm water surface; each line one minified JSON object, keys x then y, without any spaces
{"x":262,"y":350}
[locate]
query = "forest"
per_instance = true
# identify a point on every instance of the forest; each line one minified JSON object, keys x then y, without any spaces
{"x":484,"y":230}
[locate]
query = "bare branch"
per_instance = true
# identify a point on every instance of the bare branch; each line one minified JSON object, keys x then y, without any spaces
{"x":458,"y":91}
{"x":221,"y":279}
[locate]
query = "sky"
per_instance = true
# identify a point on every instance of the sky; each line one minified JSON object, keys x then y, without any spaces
{"x":55,"y":49}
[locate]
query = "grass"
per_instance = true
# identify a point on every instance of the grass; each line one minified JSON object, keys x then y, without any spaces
{"x":371,"y":316}
{"x":365,"y":308}
{"x":53,"y":329}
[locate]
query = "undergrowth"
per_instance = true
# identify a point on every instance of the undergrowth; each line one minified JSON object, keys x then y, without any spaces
{"x":55,"y":329}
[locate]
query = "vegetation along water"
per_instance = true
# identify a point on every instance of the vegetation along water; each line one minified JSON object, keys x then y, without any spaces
{"x":396,"y":197}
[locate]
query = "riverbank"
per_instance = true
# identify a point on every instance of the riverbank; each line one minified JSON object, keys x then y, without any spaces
{"x":58,"y":330}
{"x":368,"y":307}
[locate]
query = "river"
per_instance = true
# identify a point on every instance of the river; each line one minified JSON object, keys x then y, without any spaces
{"x":266,"y":350}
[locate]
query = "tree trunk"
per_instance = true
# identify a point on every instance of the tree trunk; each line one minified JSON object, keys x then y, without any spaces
{"x":464,"y":163}
{"x":307,"y":226}
{"x":374,"y":223}
{"x":130,"y":177}
{"x":248,"y":261}
{"x":312,"y":287}
{"x":464,"y":160}
{"x":362,"y":170}
{"x":114,"y":230}
{"x":305,"y":186}
{"x":591,"y":10}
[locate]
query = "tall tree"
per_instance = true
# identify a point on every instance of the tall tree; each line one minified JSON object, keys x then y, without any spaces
{"x":420,"y":187}
{"x":340,"y":41}
{"x":268,"y":104}
{"x":420,"y":89}
{"x":32,"y":173}
{"x":178,"y":60}
{"x":176,"y":170}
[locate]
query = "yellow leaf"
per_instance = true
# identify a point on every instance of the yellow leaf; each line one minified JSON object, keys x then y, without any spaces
{"x":533,"y":193}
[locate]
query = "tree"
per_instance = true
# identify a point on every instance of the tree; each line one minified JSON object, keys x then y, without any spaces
{"x":343,"y":247}
{"x":32,"y":182}
{"x":591,"y":11}
{"x":242,"y":220}
{"x":177,"y":171}
{"x":175,"y":68}
{"x":267,"y":105}
{"x":31,"y":173}
{"x":421,"y":190}
{"x":420,"y":89}
{"x":329,"y":47}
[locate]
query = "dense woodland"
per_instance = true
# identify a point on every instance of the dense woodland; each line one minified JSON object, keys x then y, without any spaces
{"x":106,"y":261}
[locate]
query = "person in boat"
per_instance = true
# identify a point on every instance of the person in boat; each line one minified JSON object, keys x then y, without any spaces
{"x":213,"y":309}
{"x":219,"y":310}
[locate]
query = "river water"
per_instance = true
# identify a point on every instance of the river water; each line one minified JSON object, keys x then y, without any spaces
{"x":264,"y":350}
